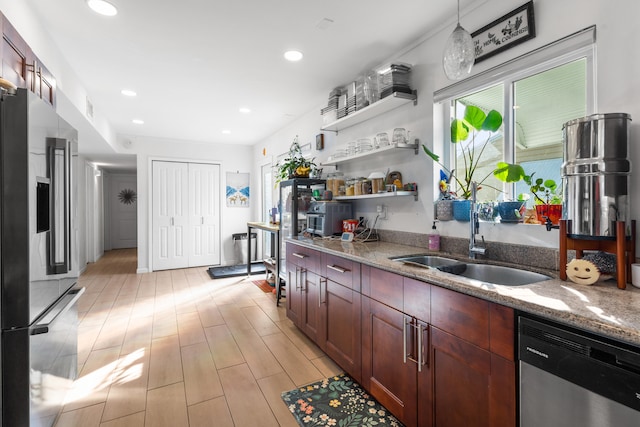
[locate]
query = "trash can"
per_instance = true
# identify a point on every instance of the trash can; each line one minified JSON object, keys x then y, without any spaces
{"x":240,"y":247}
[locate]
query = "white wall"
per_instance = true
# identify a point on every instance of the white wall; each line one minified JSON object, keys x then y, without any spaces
{"x":618,"y":90}
{"x":232,"y":158}
{"x":93,"y":222}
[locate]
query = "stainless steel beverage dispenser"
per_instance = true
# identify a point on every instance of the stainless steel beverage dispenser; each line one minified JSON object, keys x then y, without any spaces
{"x":595,"y":175}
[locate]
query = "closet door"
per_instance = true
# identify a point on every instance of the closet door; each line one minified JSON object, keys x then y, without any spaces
{"x":169,"y":215}
{"x":204,"y":214}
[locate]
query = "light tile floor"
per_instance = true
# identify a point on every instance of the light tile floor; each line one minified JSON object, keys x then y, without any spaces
{"x":175,"y":348}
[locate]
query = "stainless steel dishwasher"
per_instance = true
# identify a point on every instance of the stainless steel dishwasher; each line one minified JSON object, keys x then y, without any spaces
{"x":570,"y":378}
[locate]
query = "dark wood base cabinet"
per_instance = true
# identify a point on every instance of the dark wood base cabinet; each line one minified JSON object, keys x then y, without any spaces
{"x":472,"y":387}
{"x":432,"y":356}
{"x":389,"y":370}
{"x":323,"y":301}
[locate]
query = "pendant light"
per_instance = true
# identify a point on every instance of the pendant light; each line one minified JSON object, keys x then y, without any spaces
{"x":459,"y":52}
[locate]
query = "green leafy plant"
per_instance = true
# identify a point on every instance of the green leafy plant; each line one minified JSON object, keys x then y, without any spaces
{"x":294,"y":165}
{"x":544,"y":191}
{"x":464,"y":132}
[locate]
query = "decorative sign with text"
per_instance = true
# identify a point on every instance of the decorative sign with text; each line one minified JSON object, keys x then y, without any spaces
{"x":506,"y":32}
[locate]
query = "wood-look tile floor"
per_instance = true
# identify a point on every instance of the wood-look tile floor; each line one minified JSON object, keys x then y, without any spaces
{"x":175,"y":348}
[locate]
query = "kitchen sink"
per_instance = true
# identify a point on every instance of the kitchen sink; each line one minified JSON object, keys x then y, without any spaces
{"x":495,"y":274}
{"x":502,"y":275}
{"x":443,"y":264}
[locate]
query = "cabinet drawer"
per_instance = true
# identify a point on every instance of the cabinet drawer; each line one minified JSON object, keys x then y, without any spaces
{"x":383,"y":286}
{"x":304,"y":257}
{"x":343,"y":271}
{"x":417,"y":299}
{"x":461,"y":315}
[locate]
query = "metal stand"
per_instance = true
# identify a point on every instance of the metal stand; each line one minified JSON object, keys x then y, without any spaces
{"x":275,"y":253}
{"x":623,"y":247}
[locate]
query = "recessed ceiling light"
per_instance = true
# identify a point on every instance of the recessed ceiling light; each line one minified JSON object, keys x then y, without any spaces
{"x":226,"y":132}
{"x":128,"y":92}
{"x":245,"y":110}
{"x":293,"y":55}
{"x":102,"y":7}
{"x":138,"y":121}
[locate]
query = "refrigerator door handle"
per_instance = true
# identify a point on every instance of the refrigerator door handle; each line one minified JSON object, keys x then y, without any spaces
{"x":58,"y":238}
{"x":42,"y":325}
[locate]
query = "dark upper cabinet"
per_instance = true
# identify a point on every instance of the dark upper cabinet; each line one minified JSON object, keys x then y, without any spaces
{"x":21,"y":67}
{"x":44,"y":84}
{"x":15,"y":57}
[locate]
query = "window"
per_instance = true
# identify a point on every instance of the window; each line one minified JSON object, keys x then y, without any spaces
{"x":536,"y":94}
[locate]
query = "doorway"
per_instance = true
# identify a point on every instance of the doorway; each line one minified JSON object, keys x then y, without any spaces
{"x":123,"y":195}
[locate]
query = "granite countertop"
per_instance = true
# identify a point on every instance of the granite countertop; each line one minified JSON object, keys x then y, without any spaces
{"x":601,"y":308}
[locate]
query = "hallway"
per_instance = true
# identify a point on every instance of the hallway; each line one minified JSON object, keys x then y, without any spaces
{"x":175,"y":348}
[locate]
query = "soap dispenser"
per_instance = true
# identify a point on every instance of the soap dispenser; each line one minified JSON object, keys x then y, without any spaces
{"x":434,"y":239}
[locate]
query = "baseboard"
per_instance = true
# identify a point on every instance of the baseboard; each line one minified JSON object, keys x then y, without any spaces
{"x":142,"y":270}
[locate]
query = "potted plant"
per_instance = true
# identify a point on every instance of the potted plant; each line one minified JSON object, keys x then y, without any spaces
{"x":444,"y":204}
{"x":547,"y":198}
{"x":510,"y":211}
{"x":464,"y":132}
{"x":294,"y":165}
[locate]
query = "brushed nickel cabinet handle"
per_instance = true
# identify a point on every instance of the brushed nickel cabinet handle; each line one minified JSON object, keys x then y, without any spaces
{"x":303,"y":280}
{"x":336,"y":268}
{"x":419,"y":347}
{"x":301,"y":256}
{"x":404,"y":339}
{"x":320,"y":302}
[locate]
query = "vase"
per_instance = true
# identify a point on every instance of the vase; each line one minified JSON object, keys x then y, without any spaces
{"x":461,"y":210}
{"x":444,"y":210}
{"x":511,"y":212}
{"x":554,"y":212}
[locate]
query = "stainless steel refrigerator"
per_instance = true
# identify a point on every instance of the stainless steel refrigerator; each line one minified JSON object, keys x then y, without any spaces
{"x":38,"y":260}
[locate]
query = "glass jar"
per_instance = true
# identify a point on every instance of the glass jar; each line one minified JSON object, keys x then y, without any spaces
{"x":338,"y":181}
{"x":349,"y":189}
{"x":366,"y":186}
{"x":377,"y":182}
{"x":357,"y":187}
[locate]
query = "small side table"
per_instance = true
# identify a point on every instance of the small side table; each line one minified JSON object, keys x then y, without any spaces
{"x":624,"y":248}
{"x":274,"y":229}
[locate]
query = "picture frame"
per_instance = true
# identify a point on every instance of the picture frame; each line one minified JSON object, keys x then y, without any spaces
{"x":238,"y":191}
{"x":505,"y":32}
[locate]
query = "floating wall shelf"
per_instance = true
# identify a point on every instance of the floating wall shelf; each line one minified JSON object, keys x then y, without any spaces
{"x":395,"y":100}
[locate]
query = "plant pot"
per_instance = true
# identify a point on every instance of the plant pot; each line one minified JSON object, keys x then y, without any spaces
{"x":444,"y":210}
{"x":554,"y":212}
{"x":487,"y":211}
{"x":461,"y":210}
{"x":511,"y":212}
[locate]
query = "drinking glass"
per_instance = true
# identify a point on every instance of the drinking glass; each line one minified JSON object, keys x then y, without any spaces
{"x":383,"y":139}
{"x":399,"y":136}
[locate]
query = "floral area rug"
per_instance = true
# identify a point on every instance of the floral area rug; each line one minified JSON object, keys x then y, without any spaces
{"x":337,"y":401}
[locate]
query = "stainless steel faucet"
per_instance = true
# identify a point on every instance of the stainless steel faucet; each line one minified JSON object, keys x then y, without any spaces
{"x":474,"y":225}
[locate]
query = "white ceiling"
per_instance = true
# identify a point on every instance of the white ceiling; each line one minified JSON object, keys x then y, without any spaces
{"x":194,"y":63}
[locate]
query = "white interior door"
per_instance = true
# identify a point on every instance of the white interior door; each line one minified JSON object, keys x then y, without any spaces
{"x":169,"y":215}
{"x":124,"y":218}
{"x":204,"y":214}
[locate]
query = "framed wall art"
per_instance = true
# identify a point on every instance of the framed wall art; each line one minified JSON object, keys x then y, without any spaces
{"x":505,"y":32}
{"x":238,"y":194}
